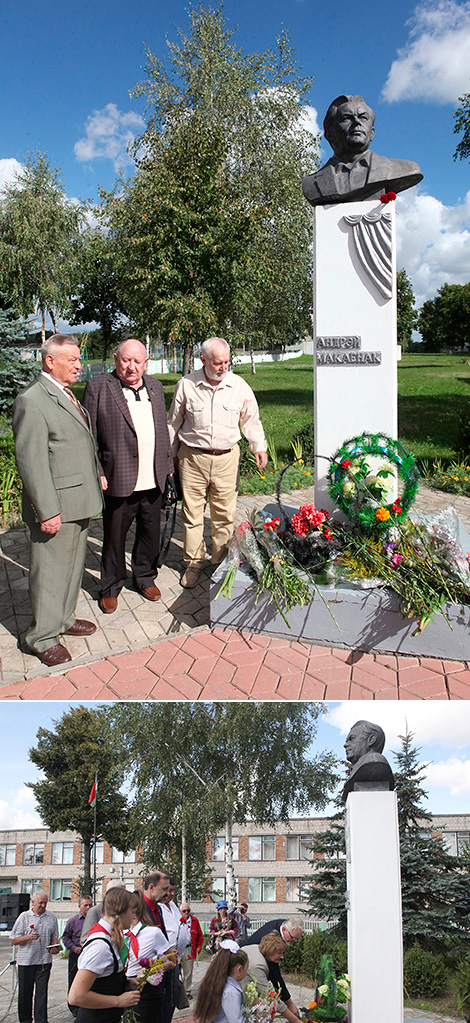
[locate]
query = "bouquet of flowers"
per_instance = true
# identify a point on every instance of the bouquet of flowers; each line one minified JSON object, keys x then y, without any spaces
{"x":152,"y":970}
{"x":255,"y":543}
{"x":260,"y":1007}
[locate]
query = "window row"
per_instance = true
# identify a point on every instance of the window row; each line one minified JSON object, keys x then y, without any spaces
{"x":60,"y":889}
{"x":263,"y":847}
{"x":62,"y":852}
{"x":263,"y":889}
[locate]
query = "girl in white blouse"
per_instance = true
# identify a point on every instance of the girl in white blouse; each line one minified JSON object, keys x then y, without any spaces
{"x":100,"y":987}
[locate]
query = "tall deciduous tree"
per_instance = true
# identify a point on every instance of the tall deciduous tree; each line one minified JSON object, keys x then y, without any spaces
{"x":407,"y":316}
{"x":96,"y":295}
{"x":69,"y":756}
{"x":249,"y":110}
{"x":433,"y":882}
{"x":199,"y":768}
{"x":179,"y":238}
{"x":444,"y":321}
{"x":462,"y":124}
{"x":39,"y":237}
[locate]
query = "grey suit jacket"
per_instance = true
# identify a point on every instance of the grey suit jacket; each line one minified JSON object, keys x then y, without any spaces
{"x":384,"y":175}
{"x":258,"y":970}
{"x":55,"y":454}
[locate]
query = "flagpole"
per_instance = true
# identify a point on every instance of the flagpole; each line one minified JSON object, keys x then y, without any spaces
{"x":94,"y":836}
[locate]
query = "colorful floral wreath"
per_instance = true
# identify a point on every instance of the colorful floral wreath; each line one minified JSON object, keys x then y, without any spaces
{"x":347,"y":478}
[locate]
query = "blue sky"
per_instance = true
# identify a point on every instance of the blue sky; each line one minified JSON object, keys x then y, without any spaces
{"x":441,"y":729}
{"x":67,"y":70}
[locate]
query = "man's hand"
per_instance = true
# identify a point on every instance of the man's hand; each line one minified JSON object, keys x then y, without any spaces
{"x":51,"y":526}
{"x":293,"y":1008}
{"x":32,"y":936}
{"x":77,"y":950}
{"x":261,"y":458}
{"x":104,"y":483}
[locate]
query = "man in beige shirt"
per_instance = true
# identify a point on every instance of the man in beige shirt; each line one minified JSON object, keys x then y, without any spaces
{"x":209,"y":409}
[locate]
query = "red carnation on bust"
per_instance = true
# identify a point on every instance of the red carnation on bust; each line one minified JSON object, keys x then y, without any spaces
{"x":387,"y":197}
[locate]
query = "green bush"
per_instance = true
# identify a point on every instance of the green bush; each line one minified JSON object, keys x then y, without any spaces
{"x":462,"y":983}
{"x":292,"y":962}
{"x":10,"y":483}
{"x":304,"y":956}
{"x":423,"y":973}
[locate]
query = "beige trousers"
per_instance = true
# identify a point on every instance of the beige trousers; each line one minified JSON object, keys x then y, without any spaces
{"x":213,"y":478}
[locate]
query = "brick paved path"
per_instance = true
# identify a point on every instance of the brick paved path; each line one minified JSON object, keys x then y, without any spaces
{"x":166,"y":650}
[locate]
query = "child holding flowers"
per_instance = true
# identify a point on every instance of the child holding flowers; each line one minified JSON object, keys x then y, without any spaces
{"x":150,"y":957}
{"x":100,"y":987}
{"x":220,"y":996}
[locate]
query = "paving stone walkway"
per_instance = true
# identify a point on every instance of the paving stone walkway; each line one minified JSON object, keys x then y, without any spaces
{"x":167,"y":651}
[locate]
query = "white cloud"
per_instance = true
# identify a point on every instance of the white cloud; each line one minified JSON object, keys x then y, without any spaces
{"x":309,"y":119}
{"x":443,"y":723}
{"x":108,"y":134}
{"x":452,"y":774}
{"x":8,"y":168}
{"x":433,"y":242}
{"x":19,"y":811}
{"x":434,"y":65}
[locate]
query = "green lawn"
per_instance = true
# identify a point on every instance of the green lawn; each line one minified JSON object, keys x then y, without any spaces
{"x":433,"y":396}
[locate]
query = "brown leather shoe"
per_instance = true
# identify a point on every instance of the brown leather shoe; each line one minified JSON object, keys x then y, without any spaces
{"x":149,"y":592}
{"x":108,"y":604}
{"x":55,"y":655}
{"x":81,"y":627}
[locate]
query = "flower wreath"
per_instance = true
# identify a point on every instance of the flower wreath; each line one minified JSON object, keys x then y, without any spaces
{"x":346,"y":467}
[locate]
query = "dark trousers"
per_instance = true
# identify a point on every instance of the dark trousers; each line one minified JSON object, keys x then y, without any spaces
{"x":170,"y":996}
{"x":33,"y":979}
{"x":143,"y":506}
{"x":73,"y":967}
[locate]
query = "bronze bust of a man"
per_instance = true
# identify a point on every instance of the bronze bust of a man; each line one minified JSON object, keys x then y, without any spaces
{"x":355,"y":172}
{"x":364,"y":746}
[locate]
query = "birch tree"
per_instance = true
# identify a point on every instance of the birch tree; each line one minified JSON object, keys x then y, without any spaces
{"x":39,"y":238}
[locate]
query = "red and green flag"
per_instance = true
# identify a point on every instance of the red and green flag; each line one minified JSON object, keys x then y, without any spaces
{"x":92,"y":796}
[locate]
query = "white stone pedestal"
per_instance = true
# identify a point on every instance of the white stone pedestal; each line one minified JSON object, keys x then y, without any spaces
{"x":355,"y":336}
{"x":375,"y":958}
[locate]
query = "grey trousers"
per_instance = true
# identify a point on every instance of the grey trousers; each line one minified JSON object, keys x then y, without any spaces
{"x":55,"y":575}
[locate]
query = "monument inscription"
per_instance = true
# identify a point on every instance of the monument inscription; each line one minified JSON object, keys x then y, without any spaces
{"x":344,"y":351}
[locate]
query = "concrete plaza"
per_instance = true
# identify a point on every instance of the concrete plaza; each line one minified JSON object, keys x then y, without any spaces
{"x":167,"y":650}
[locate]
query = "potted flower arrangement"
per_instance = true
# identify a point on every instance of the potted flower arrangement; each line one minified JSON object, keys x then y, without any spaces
{"x":331,"y":997}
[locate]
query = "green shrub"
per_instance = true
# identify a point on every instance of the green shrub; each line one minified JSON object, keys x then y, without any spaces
{"x":423,"y":973}
{"x":462,"y":983}
{"x":292,"y":962}
{"x":304,"y":956}
{"x":10,"y":483}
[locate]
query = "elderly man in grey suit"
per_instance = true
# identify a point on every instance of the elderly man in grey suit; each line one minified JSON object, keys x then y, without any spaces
{"x":56,"y":458}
